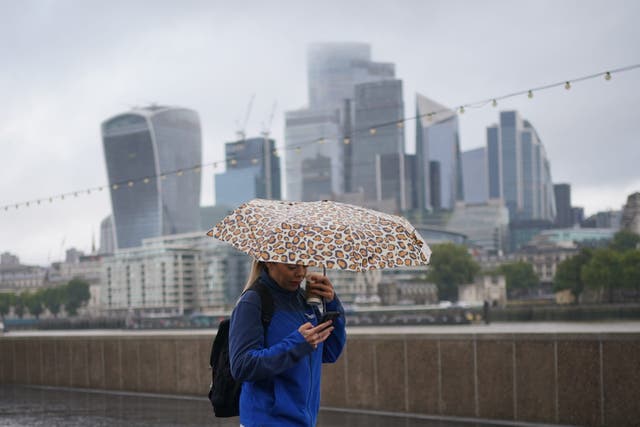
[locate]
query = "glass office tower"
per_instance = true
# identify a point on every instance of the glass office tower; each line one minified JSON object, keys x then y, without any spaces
{"x":438,"y":140}
{"x":519,"y":171}
{"x":141,"y":146}
{"x":253,"y":171}
{"x":318,"y":162}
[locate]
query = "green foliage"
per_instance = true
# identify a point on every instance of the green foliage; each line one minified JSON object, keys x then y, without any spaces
{"x":451,"y":265}
{"x":33,"y":302}
{"x":568,"y":273}
{"x":18,"y":305}
{"x":6,"y":301}
{"x":603,"y":271}
{"x":631,"y":270}
{"x":624,"y":241}
{"x":52,"y":299}
{"x":76,"y":294}
{"x":519,"y":276}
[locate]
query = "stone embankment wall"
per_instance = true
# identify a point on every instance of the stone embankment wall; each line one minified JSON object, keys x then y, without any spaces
{"x":578,"y":379}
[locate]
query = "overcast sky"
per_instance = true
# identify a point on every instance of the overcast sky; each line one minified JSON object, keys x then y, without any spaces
{"x":66,"y":66}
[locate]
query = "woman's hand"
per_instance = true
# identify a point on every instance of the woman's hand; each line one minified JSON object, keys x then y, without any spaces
{"x":314,"y":335}
{"x":320,"y":285}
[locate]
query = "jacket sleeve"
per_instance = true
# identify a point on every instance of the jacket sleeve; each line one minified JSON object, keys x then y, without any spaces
{"x":335,"y":343}
{"x":250,"y":359}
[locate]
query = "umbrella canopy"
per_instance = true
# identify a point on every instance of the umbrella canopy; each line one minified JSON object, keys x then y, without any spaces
{"x":323,"y":233}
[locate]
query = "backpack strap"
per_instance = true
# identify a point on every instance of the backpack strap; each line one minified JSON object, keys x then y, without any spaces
{"x":266,"y":301}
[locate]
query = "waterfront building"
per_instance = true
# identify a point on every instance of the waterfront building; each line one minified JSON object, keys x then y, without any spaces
{"x":19,"y":278}
{"x":437,"y":140}
{"x":474,"y":175}
{"x":149,"y":154}
{"x":544,"y":254}
{"x":252,"y":171}
{"x":630,"y":220}
{"x":174,"y":275}
{"x":486,"y":287}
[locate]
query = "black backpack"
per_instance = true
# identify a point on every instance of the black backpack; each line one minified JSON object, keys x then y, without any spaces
{"x":224,"y":392}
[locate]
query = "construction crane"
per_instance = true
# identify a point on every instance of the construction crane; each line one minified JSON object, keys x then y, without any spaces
{"x":241,"y":127}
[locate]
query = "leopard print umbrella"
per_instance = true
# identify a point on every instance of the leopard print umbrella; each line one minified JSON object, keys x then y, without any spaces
{"x":323,"y":233}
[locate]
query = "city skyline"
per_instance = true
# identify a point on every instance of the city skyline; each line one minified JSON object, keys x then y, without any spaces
{"x":57,"y":93}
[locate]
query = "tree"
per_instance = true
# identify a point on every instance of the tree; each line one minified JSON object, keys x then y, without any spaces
{"x":451,"y":265}
{"x":519,"y":276}
{"x":568,"y":273}
{"x":625,"y":240}
{"x":603,"y":271}
{"x":76,"y":294}
{"x":631,"y":271}
{"x":33,"y":302}
{"x":6,"y":301}
{"x":18,"y":305}
{"x":52,"y":299}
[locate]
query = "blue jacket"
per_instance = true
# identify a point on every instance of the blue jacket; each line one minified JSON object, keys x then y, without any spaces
{"x":281,"y":376}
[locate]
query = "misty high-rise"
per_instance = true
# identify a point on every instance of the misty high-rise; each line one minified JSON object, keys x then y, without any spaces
{"x":518,"y":169}
{"x":321,"y":146}
{"x":140,"y":147}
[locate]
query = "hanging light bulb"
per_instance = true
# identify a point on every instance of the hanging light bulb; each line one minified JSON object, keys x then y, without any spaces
{"x":462,"y":110}
{"x":298,"y":150}
{"x":233,"y":162}
{"x":196,"y":169}
{"x":530,"y":94}
{"x":146,"y":180}
{"x":163,"y":176}
{"x":346,"y":141}
{"x":607,"y":76}
{"x":130,"y":184}
{"x":430,"y":116}
{"x":373,"y":131}
{"x":494,"y":103}
{"x":254,"y":161}
{"x":321,"y":141}
{"x":180,"y":173}
{"x":567,"y":85}
{"x":400,"y":125}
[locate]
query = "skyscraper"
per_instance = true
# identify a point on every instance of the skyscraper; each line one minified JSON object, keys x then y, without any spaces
{"x":564,"y":217}
{"x":474,"y":173}
{"x":253,"y":171}
{"x":140,"y":146}
{"x":519,"y":170}
{"x":319,"y":142}
{"x":377,"y":103}
{"x":438,"y":140}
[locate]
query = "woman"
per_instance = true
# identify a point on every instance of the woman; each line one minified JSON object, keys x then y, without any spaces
{"x":281,"y":366}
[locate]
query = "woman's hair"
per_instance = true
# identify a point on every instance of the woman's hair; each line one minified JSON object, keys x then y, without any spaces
{"x":256,"y":268}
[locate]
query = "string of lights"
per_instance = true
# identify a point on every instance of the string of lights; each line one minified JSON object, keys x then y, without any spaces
{"x":297,"y":148}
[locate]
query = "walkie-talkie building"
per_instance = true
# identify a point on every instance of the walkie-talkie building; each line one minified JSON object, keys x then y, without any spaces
{"x":144,"y":149}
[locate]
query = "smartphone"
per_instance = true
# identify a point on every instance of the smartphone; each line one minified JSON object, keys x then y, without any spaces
{"x":329,"y":315}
